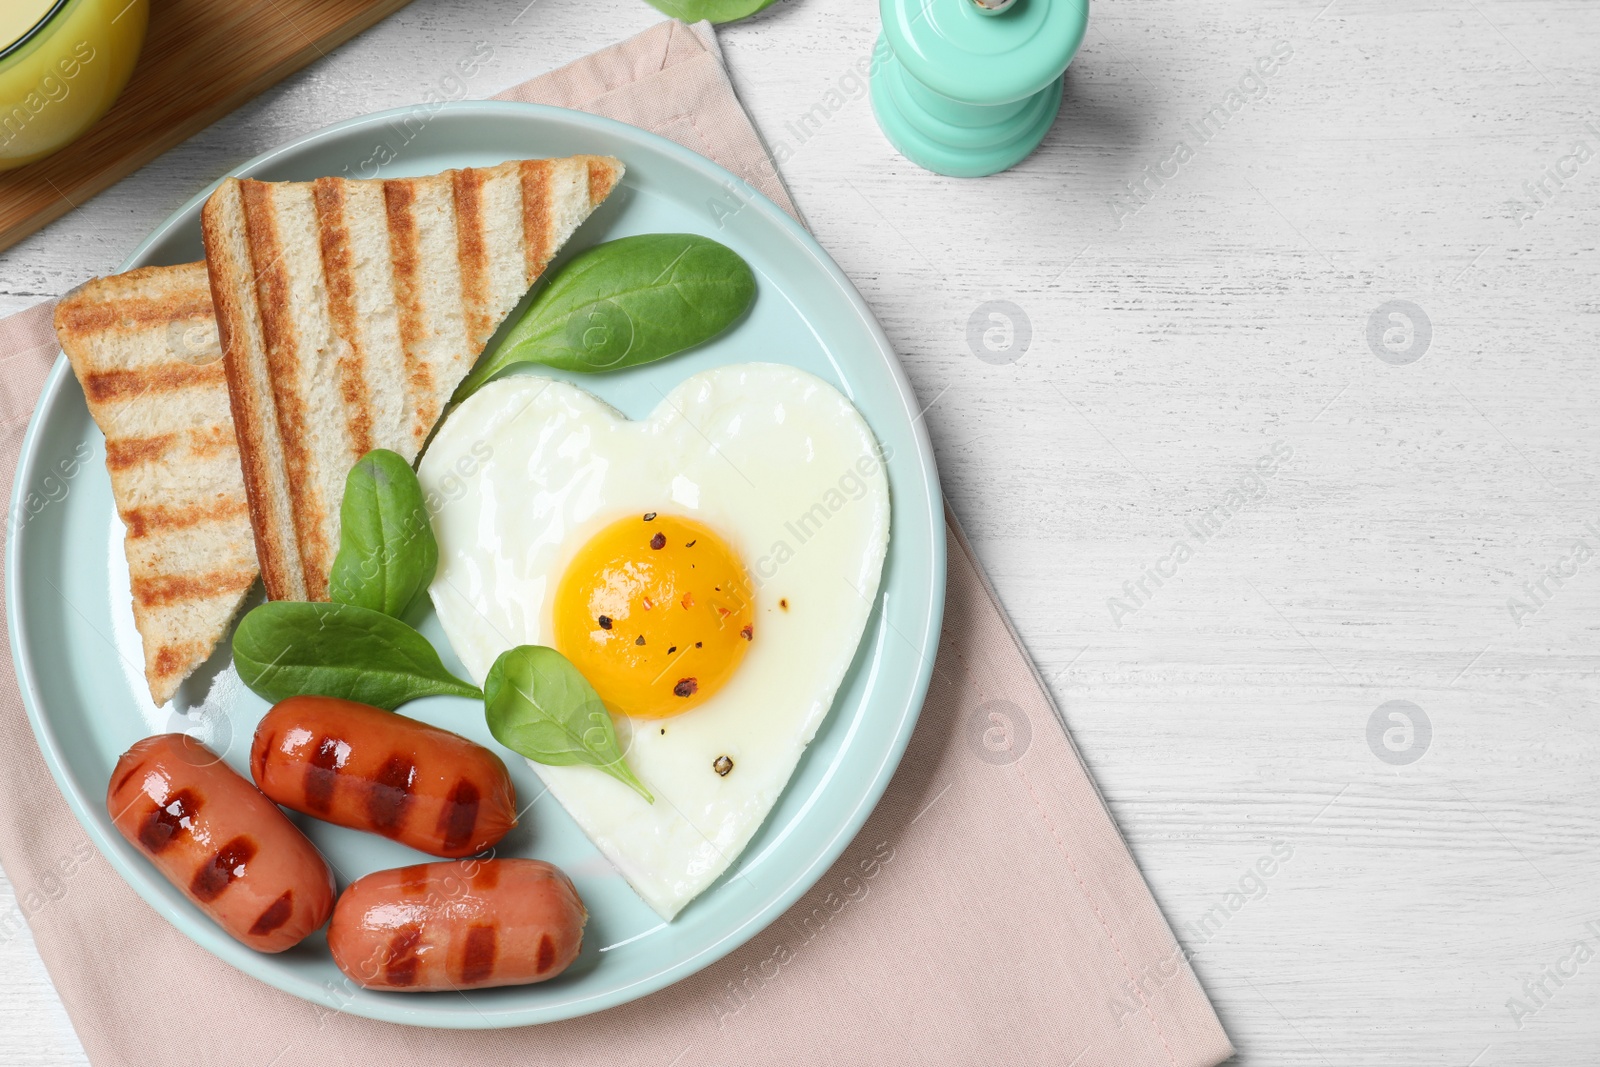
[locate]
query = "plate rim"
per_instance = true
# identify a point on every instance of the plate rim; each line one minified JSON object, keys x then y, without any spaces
{"x":144,"y":879}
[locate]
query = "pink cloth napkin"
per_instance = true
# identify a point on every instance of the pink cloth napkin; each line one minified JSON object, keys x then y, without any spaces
{"x":989,"y":911}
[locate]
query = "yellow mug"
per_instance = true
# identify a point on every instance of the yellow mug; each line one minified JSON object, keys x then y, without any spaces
{"x":62,"y":64}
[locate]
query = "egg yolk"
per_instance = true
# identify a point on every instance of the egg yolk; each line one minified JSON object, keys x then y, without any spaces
{"x":656,"y":612}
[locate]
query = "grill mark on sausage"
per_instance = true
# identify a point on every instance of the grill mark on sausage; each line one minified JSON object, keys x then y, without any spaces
{"x":169,"y":820}
{"x":547,"y":954}
{"x":135,"y":769}
{"x":460,"y":815}
{"x":414,"y":880}
{"x":477,"y":962}
{"x":400,"y":962}
{"x":322,"y":774}
{"x":258,"y":758}
{"x":486,"y":876}
{"x":276,"y":915}
{"x":219,"y":873}
{"x":389,"y":795}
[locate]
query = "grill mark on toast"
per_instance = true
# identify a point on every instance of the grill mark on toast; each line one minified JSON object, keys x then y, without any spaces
{"x":208,"y":441}
{"x":203,"y":442}
{"x":536,"y":214}
{"x":131,"y":452}
{"x":182,"y":284}
{"x":176,"y":656}
{"x":427,"y":405}
{"x":108,"y":385}
{"x":602,"y":179}
{"x":159,"y":519}
{"x":167,"y":589}
{"x":472,"y":249}
{"x":278,"y":333}
{"x":400,"y":199}
{"x":328,"y":197}
{"x":80,"y":316}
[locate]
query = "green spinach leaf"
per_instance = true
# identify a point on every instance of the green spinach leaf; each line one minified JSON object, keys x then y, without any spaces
{"x":286,"y":648}
{"x":539,"y":705}
{"x":715,"y":10}
{"x":626,"y":302}
{"x":387,"y":553}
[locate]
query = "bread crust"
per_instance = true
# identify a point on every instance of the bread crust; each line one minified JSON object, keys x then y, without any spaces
{"x":252,"y":409}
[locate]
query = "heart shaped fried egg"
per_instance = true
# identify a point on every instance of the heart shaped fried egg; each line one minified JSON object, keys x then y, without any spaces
{"x":710,"y":570}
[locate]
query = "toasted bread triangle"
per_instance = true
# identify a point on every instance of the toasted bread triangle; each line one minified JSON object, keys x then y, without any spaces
{"x":350,"y":310}
{"x":144,"y":348}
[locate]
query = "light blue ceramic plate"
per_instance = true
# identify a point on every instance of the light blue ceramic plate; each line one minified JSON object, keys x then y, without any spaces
{"x":78,"y":656}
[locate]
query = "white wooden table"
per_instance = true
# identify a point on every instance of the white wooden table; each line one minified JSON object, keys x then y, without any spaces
{"x":1429,"y":458}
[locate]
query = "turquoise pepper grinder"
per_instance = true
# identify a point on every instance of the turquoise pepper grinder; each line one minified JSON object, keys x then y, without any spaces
{"x":970,"y":87}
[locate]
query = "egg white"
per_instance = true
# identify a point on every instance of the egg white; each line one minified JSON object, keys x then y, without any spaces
{"x":775,"y":461}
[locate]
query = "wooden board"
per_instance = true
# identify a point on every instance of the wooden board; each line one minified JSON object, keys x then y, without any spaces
{"x":201,"y":60}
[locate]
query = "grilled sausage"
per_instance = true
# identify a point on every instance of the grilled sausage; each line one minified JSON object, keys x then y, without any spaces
{"x":215,"y":837}
{"x":470,"y":924}
{"x":373,"y":770}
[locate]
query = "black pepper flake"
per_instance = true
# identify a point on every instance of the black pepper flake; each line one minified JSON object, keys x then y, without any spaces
{"x":784,"y":604}
{"x":649,"y":516}
{"x":671,"y":650}
{"x":686,"y":687}
{"x":722,"y":765}
{"x":748,"y":632}
{"x":663,"y":730}
{"x":697,"y":644}
{"x":658,"y":541}
{"x":639,"y":640}
{"x":604,"y":621}
{"x":691,"y":543}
